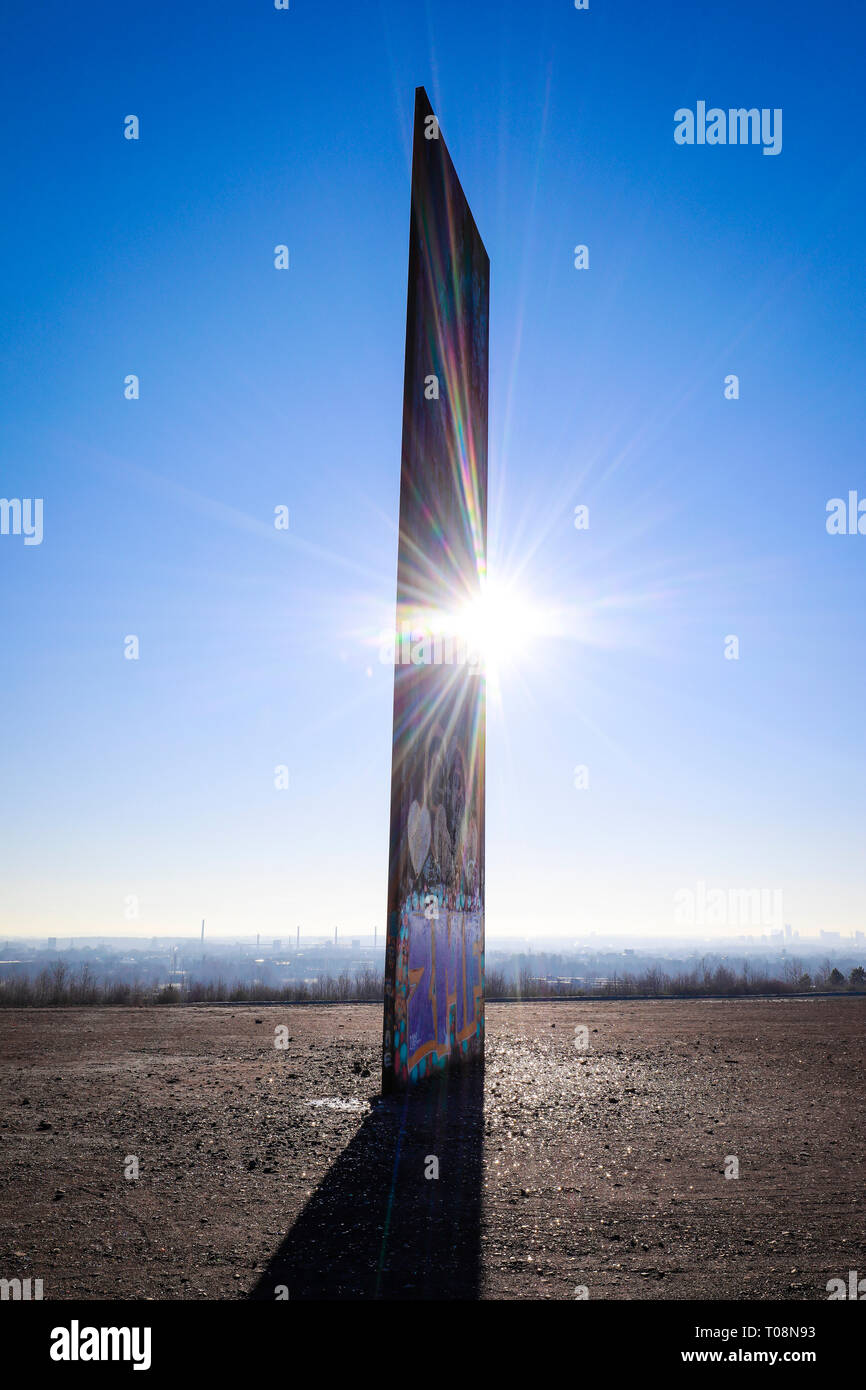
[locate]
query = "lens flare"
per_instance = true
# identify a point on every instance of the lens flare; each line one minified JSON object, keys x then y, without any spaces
{"x":502,"y":624}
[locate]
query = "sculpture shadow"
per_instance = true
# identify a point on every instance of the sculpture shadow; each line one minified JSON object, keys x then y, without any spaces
{"x":377,"y":1227}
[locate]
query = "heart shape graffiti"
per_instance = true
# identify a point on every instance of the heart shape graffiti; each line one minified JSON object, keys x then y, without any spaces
{"x":418,"y":832}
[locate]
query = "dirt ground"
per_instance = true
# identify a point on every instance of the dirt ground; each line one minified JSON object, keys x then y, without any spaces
{"x":278,"y":1172}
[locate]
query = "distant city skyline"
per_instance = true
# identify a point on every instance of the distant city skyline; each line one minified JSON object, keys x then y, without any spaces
{"x":540,"y":940}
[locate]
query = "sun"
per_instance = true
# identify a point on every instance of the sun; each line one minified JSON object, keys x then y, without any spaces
{"x":503,"y":625}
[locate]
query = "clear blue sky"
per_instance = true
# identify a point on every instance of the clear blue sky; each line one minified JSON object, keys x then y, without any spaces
{"x":155,"y":778}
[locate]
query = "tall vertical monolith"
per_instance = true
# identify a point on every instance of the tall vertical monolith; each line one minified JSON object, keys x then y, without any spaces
{"x":434,"y":961}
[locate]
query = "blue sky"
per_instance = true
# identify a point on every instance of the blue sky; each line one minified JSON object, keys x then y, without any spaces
{"x":154,"y":779}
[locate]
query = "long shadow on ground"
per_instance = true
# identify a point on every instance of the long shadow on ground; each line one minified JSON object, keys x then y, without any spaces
{"x":376,"y":1227}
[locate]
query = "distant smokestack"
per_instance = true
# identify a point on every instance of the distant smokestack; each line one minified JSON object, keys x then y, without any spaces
{"x":298,"y":942}
{"x":375,"y":934}
{"x":335,"y":936}
{"x":257,"y":940}
{"x":202,"y":930}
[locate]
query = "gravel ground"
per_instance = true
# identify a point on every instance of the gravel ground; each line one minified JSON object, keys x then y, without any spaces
{"x":279,"y":1172}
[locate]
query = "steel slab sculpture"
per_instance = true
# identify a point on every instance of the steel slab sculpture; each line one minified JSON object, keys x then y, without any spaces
{"x":434,"y":967}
